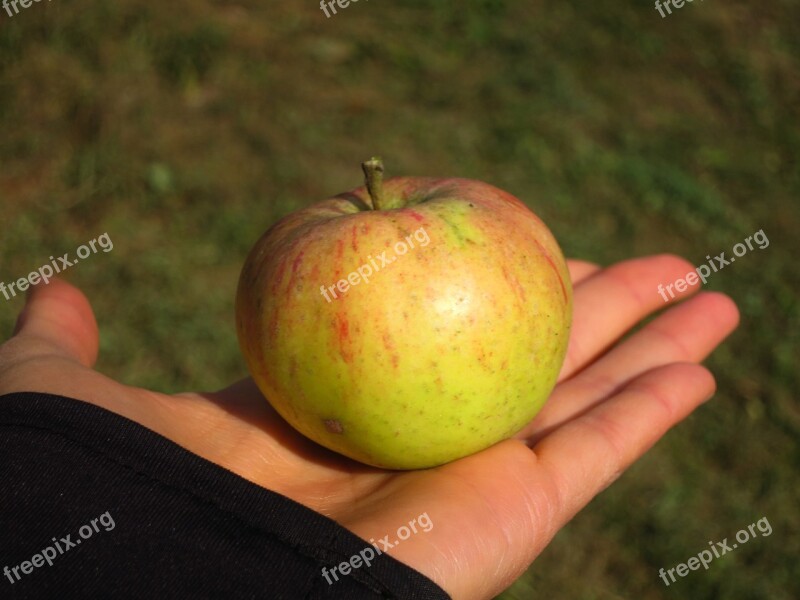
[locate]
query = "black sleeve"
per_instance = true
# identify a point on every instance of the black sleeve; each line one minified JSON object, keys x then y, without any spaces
{"x":93,"y":505}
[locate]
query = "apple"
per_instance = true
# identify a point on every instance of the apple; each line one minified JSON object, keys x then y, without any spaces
{"x":409,"y":322}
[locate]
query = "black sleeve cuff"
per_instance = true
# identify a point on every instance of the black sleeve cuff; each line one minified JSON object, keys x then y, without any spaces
{"x":93,"y":505}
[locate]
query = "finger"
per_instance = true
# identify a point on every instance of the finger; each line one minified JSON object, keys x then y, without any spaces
{"x":686,"y":333}
{"x":613,"y":300}
{"x":586,"y":455}
{"x":57,"y":319}
{"x":580,"y":270}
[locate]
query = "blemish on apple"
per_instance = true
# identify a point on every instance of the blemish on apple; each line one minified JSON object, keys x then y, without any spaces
{"x":333,"y":426}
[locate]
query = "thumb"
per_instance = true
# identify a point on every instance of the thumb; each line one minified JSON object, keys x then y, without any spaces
{"x":57,"y":318}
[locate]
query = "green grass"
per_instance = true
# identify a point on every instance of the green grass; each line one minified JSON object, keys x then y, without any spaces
{"x":185,"y":129}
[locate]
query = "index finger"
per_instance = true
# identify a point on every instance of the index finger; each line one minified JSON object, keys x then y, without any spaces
{"x":612,"y":300}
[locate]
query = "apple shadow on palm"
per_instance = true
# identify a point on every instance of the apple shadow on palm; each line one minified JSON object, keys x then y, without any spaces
{"x":245,"y":402}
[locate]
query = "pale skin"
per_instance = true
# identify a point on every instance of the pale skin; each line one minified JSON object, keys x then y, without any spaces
{"x":493,"y":512}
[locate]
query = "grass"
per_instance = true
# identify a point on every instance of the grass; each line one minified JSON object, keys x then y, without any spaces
{"x":185,"y":129}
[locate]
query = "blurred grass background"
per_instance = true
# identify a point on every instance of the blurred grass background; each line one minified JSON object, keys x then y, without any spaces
{"x":184,"y":129}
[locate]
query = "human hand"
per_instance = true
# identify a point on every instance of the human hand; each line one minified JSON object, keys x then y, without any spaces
{"x":492,"y":512}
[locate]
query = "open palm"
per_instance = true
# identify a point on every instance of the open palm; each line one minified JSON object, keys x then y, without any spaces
{"x":492,"y":512}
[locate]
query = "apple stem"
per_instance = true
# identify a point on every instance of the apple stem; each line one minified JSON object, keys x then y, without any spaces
{"x":373,"y":173}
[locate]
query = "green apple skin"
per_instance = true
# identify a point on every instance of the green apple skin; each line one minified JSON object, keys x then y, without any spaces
{"x":447,"y":350}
